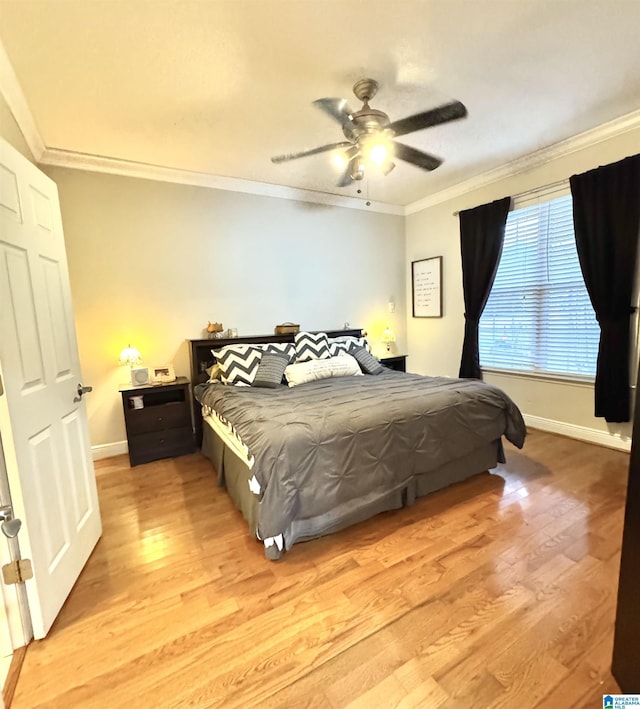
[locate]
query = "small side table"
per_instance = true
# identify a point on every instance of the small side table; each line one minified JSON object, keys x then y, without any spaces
{"x":158,"y":420}
{"x":398,"y":363}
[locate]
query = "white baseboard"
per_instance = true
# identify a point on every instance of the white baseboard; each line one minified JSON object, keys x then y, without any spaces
{"x":106,"y":450}
{"x":582,"y":433}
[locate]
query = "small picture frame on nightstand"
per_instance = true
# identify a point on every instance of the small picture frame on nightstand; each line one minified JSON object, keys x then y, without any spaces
{"x":163,"y":375}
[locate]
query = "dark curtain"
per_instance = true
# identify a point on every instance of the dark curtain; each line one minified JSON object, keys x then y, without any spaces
{"x":481,"y":237}
{"x":606,"y":217}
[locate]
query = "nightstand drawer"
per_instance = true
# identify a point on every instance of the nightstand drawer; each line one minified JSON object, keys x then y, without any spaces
{"x":157,"y":418}
{"x":145,"y":447}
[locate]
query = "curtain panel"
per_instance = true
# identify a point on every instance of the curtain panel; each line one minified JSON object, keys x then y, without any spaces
{"x":481,"y":238}
{"x":606,"y":216}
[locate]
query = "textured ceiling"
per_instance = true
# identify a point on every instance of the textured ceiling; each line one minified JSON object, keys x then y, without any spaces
{"x":220,"y":86}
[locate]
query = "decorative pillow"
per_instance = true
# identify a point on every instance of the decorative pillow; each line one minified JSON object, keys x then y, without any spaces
{"x":309,"y":346}
{"x":238,"y":363}
{"x":368,"y":363}
{"x":312,"y":370}
{"x":349,"y":341}
{"x":338,"y":348}
{"x":271,"y":370}
{"x":287,"y":348}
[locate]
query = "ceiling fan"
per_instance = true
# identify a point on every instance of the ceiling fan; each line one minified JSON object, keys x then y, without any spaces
{"x":370,"y":134}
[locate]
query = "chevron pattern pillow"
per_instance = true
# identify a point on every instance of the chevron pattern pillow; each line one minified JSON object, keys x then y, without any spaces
{"x":287,"y":348}
{"x":338,"y":348}
{"x":310,"y":346}
{"x":238,"y":364}
{"x":337,"y":345}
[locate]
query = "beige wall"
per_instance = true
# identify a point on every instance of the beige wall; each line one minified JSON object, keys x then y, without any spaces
{"x":435,"y":344}
{"x":152,"y":262}
{"x":10,"y":132}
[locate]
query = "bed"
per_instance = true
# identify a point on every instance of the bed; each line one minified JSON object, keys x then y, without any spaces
{"x":301,"y":462}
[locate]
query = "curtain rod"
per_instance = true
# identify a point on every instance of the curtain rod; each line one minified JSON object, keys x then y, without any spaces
{"x":534,"y":191}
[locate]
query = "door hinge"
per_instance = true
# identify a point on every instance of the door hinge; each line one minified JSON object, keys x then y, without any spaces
{"x":17,"y":571}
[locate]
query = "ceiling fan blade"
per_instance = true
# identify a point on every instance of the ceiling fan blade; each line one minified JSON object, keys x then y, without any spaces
{"x":435,"y":116}
{"x":416,"y":157}
{"x":337,"y":108}
{"x":313,"y":151}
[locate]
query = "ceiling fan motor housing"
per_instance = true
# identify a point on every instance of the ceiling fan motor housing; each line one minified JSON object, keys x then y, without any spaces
{"x":366,"y":121}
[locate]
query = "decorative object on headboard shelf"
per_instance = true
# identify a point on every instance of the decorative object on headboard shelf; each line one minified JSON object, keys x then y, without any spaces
{"x":214,"y":329}
{"x":287,"y":328}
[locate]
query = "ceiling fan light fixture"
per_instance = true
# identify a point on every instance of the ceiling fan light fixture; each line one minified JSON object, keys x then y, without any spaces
{"x":387,"y":166}
{"x":357,"y":171}
{"x":340,"y":160}
{"x":378,"y":153}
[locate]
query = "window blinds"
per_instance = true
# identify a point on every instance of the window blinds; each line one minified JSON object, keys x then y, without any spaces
{"x":538,"y":317}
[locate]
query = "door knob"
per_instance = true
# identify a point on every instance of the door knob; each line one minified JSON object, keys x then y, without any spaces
{"x":10,"y":525}
{"x":82,"y":390}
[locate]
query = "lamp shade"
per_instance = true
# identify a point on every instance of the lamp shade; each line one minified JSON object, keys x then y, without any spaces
{"x":388,"y":335}
{"x":130,"y":356}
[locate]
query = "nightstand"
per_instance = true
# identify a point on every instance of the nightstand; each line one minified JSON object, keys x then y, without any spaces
{"x":399,"y":362}
{"x":158,"y":420}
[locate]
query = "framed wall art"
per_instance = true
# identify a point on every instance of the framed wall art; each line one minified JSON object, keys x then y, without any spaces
{"x":426,"y":287}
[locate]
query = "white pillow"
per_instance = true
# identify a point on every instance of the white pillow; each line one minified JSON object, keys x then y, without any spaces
{"x":301,"y":372}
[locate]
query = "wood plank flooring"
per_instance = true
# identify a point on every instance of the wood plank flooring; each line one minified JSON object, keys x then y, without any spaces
{"x":496,"y":592}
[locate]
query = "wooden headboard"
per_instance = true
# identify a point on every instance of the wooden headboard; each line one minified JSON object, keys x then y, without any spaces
{"x":201,"y":357}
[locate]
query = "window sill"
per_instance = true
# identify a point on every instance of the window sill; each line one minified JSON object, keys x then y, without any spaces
{"x":573,"y":380}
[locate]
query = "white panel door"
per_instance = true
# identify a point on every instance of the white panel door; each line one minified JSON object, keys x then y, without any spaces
{"x":42,"y":419}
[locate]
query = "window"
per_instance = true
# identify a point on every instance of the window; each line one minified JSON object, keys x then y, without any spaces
{"x":538,"y":318}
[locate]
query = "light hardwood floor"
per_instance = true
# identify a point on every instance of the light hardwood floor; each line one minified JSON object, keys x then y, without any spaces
{"x":497,"y":592}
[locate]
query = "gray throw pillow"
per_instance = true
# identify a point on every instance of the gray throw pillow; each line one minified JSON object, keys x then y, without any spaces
{"x":368,"y":363}
{"x":271,"y":370}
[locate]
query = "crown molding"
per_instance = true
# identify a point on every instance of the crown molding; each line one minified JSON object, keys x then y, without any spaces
{"x":97,"y":163}
{"x":590,"y":137}
{"x":12,"y":91}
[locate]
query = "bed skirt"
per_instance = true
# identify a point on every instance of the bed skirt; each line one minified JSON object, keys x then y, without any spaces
{"x":234,"y":475}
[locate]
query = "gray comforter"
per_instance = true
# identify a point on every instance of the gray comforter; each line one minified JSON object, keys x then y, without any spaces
{"x":323,"y":443}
